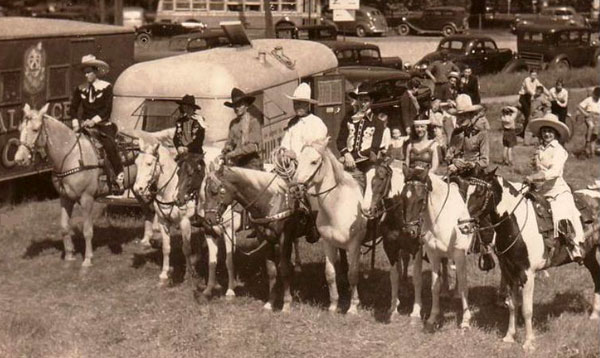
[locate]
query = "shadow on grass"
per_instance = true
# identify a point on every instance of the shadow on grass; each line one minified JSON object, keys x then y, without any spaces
{"x":112,"y":237}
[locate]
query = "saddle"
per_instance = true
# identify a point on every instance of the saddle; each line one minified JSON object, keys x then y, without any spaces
{"x":127,"y":149}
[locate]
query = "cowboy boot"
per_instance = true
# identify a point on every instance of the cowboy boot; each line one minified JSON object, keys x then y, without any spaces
{"x":310,"y":225}
{"x":565,"y":228}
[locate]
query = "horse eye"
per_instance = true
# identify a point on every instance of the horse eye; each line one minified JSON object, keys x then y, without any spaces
{"x":314,"y":162}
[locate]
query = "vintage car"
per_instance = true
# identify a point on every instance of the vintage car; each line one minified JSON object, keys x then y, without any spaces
{"x":478,"y":52}
{"x":554,"y":47}
{"x":307,"y":32}
{"x":445,"y":20}
{"x":368,"y":21}
{"x":351,"y":53}
{"x":551,"y":15}
{"x":147,"y":33}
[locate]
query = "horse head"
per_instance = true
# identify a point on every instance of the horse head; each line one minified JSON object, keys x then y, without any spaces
{"x":218,"y":194}
{"x":148,"y":169}
{"x":483,"y":195}
{"x":32,"y":135}
{"x":414,"y":198}
{"x":310,"y":161}
{"x":380,"y":179}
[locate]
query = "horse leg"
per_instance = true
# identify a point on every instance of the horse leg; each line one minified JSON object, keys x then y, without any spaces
{"x":149,"y":220}
{"x":186,"y":246}
{"x":229,"y":244}
{"x":353,"y":277}
{"x":527,"y":310}
{"x":394,"y":278}
{"x":404,"y":257}
{"x":512,"y":315}
{"x":213,"y":250}
{"x":166,"y":251}
{"x":430,"y":324}
{"x":285,"y":269}
{"x":462,"y":286}
{"x":415,"y":315}
{"x":330,"y":258}
{"x":271,"y":266}
{"x":297,"y":261}
{"x":66,"y":209}
{"x":87,"y":204}
{"x":591,"y":263}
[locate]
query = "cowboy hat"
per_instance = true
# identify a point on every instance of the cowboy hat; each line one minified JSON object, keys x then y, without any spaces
{"x":550,"y":120}
{"x":454,"y":74}
{"x":302,"y":93}
{"x":188,"y":100}
{"x":421,"y":122}
{"x":464,"y":105}
{"x":91,"y":61}
{"x":363,"y":89}
{"x":237,"y":97}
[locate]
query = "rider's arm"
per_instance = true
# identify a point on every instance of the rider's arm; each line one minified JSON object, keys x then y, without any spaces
{"x":435,"y":160}
{"x":554,"y":168}
{"x":177,"y":137}
{"x":407,"y":154}
{"x":582,"y":107}
{"x":75,"y":102}
{"x":484,"y":150}
{"x":342,"y":138}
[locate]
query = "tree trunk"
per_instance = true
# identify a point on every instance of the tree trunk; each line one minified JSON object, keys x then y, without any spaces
{"x":269,"y":29}
{"x":102,"y":10}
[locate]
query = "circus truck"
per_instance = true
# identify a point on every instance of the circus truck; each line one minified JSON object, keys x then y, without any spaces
{"x":269,"y":69}
{"x":39,"y":61}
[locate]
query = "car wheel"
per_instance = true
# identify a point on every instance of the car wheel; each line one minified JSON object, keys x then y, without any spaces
{"x":562,"y":65}
{"x":360,"y":31}
{"x":448,"y":30}
{"x":514,"y":66}
{"x":596,"y":60}
{"x":144,"y":38}
{"x":403,"y":30}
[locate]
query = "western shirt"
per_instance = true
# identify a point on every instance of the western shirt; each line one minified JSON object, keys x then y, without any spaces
{"x":301,"y":131}
{"x":550,"y":161}
{"x":471,"y":143}
{"x":189,"y":133}
{"x":95,"y":100}
{"x":561,"y":97}
{"x":244,"y":140}
{"x":360,"y":135}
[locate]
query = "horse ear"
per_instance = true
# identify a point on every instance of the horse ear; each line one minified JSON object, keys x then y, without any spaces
{"x":429,"y":185}
{"x":155,"y":148}
{"x":27,"y":109}
{"x":44,"y":109}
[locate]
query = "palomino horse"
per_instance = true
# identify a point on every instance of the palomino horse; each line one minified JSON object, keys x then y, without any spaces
{"x":76,"y":172}
{"x":382,"y":199}
{"x":157,"y":167}
{"x":496,"y":203}
{"x":271,"y":211}
{"x":340,"y":220}
{"x":435,"y":207}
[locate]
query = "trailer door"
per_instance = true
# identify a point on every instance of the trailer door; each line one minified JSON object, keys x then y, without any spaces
{"x":330,"y":92}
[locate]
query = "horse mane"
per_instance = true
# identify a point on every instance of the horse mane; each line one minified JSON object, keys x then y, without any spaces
{"x":258,"y":179}
{"x":341,"y":176}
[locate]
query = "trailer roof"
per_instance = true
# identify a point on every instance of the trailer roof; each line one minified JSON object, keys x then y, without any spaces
{"x":26,"y":27}
{"x":211,"y":74}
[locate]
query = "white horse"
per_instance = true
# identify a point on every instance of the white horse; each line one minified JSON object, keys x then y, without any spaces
{"x":156,"y":166}
{"x":520,"y":246}
{"x":76,"y":170}
{"x":340,"y":221}
{"x":433,"y":208}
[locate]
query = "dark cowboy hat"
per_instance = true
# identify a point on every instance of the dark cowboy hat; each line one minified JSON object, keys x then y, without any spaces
{"x":188,"y":100}
{"x":363,"y":89}
{"x":238,"y":96}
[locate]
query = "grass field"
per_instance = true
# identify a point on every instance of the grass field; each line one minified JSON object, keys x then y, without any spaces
{"x":49,"y":308}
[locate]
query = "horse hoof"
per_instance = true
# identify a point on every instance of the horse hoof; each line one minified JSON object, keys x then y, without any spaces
{"x":414,"y":320}
{"x":508,"y":339}
{"x":230,"y":294}
{"x":332,"y":308}
{"x":430,"y":327}
{"x":218,"y":287}
{"x":268,"y":306}
{"x":393,"y":314}
{"x":286,"y":308}
{"x":145,"y":243}
{"x":297,"y":269}
{"x":70,"y":257}
{"x":86,"y":263}
{"x":595,"y":316}
{"x":465,"y":326}
{"x":528,"y":346}
{"x":163,"y":282}
{"x":352,"y":311}
{"x":207,"y":292}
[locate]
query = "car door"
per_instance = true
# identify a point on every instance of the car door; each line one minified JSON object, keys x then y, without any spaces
{"x":475,"y":57}
{"x":491,"y":60}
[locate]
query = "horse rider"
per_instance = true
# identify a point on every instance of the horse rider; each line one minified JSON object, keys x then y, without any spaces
{"x":422,"y":151}
{"x":469,"y":147}
{"x":188,"y":140}
{"x":549,"y":162}
{"x":242,"y":148}
{"x":304,"y":128}
{"x":360,"y":135}
{"x":95,"y":97}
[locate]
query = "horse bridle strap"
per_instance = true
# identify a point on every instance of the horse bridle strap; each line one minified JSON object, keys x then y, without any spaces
{"x":269,"y":219}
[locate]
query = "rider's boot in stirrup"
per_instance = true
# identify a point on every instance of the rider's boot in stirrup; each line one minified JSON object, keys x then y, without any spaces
{"x":565,"y":227}
{"x":312,"y":234}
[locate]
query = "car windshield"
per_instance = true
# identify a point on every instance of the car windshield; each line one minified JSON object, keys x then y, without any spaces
{"x":452,"y":45}
{"x":369,"y":54}
{"x":532,"y":37}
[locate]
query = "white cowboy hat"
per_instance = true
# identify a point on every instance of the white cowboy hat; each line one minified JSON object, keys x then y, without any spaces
{"x":454,"y":74}
{"x":550,"y":120}
{"x":92,"y":61}
{"x":464,"y":105}
{"x":421,"y":122}
{"x":302,"y":93}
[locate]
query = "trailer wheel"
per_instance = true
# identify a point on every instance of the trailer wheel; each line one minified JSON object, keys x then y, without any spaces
{"x":561,"y":66}
{"x":514,"y":66}
{"x":403,"y":30}
{"x":144,"y":38}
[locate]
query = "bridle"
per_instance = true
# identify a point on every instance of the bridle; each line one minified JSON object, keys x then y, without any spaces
{"x":381,"y":203}
{"x":300,"y":188}
{"x":35,"y":146}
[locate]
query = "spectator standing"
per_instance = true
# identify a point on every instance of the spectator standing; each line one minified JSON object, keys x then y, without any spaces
{"x":509,"y":136}
{"x":438,"y":73}
{"x":409,"y":105}
{"x":559,"y":100}
{"x":396,"y":147}
{"x":469,"y":84}
{"x":540,"y":102}
{"x":526,"y":93}
{"x":590,"y":109}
